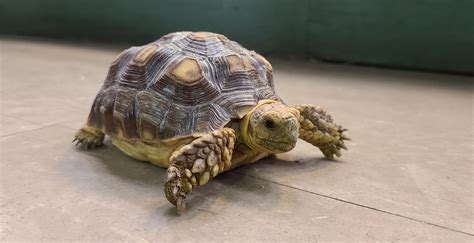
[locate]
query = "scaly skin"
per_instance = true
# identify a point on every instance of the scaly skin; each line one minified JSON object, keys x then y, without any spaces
{"x":270,"y":127}
{"x":198,"y":162}
{"x":203,"y":159}
{"x":318,"y":128}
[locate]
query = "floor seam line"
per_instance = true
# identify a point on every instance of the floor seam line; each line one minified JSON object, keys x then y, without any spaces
{"x":26,"y":131}
{"x":66,"y":126}
{"x":358,"y":204}
{"x":32,"y":122}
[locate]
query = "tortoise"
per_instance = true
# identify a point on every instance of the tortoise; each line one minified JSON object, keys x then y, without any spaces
{"x":200,"y":104}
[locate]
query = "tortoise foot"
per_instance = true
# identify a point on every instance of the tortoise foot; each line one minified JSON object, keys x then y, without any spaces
{"x":318,"y":128}
{"x":175,"y":188}
{"x":89,"y":137}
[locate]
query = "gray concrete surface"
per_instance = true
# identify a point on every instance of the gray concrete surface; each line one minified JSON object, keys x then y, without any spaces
{"x":408,"y":174}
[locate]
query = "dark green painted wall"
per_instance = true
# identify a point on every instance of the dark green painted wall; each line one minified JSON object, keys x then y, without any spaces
{"x":427,"y":34}
{"x":421,"y":34}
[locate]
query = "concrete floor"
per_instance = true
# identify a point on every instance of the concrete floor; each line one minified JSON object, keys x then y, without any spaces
{"x":408,"y":174}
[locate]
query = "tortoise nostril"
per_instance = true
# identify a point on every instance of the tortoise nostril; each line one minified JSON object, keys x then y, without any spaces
{"x":269,"y":124}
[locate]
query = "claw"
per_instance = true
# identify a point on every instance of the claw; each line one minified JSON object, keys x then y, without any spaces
{"x":180,"y":204}
{"x":342,"y":145}
{"x":171,"y":176}
{"x":338,"y":153}
{"x":87,"y":139}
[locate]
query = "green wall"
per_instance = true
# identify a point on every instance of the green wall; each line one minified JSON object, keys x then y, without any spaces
{"x":423,"y":34}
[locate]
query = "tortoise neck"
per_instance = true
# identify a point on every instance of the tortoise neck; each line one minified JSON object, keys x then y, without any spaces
{"x":245,"y":129}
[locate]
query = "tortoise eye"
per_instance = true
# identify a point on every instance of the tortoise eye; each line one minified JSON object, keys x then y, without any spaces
{"x":269,"y":124}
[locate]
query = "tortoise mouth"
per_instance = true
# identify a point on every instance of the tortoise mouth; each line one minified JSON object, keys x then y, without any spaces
{"x":277,"y":146}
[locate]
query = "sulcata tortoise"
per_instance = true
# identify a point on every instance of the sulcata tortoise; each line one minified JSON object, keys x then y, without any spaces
{"x":200,"y":104}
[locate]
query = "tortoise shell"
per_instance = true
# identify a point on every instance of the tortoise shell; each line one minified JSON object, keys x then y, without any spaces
{"x":182,"y":84}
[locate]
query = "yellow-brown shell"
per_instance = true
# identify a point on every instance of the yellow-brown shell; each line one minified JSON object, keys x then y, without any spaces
{"x":181,"y":84}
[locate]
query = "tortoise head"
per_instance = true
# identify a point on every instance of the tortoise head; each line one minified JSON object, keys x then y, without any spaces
{"x":271,"y":127}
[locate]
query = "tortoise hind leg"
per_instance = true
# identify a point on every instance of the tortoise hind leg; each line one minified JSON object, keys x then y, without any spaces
{"x":89,"y":137}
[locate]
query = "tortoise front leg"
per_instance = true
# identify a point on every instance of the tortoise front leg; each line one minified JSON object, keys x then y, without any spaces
{"x":197,"y":163}
{"x":318,"y":128}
